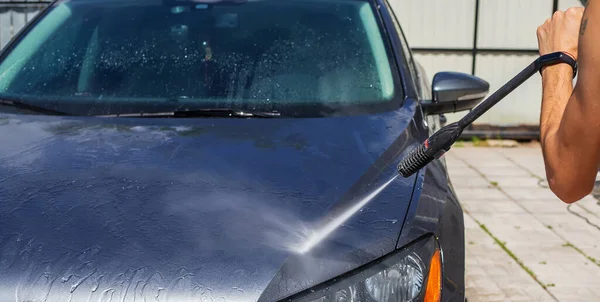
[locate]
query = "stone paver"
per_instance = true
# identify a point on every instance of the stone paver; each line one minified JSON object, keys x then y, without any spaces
{"x":492,"y":275}
{"x":516,"y":182}
{"x":591,"y":206}
{"x":503,"y":190}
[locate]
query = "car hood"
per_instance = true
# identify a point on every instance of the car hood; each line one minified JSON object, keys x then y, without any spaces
{"x":96,"y":209}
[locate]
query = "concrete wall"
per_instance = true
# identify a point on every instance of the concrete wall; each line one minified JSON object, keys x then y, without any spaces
{"x":506,"y":25}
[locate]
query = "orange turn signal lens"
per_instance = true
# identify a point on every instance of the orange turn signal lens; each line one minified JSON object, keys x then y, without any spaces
{"x":433,"y":291}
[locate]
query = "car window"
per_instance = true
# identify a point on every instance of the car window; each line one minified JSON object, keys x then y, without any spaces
{"x":252,"y":54}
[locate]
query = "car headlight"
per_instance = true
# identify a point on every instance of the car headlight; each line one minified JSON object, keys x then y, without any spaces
{"x":411,"y":274}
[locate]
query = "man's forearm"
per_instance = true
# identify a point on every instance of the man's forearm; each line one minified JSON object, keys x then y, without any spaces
{"x":557,"y":91}
{"x":557,"y":83}
{"x":569,"y":164}
{"x":569,"y":121}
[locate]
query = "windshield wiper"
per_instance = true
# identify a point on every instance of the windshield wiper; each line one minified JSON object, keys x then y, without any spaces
{"x":212,"y":112}
{"x":33,"y":108}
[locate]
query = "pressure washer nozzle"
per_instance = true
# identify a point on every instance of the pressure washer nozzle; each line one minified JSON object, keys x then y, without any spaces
{"x":416,"y":160}
{"x":433,"y":148}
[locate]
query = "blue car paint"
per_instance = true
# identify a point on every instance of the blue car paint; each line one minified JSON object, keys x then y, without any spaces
{"x":126,"y":209}
{"x":194,"y":202}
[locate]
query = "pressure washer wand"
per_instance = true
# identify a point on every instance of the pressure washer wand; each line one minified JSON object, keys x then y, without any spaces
{"x":441,"y":141}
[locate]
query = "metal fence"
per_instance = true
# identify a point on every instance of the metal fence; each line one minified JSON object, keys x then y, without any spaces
{"x":476,"y":48}
{"x":492,"y":39}
{"x":15,"y":14}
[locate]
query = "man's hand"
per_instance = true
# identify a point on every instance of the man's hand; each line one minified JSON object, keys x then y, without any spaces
{"x":561,"y":32}
{"x":570,"y":116}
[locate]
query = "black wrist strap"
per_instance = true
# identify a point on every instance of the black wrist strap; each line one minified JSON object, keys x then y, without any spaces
{"x":557,"y":58}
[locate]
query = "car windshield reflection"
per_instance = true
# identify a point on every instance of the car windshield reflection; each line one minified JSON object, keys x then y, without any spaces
{"x":114,"y":57}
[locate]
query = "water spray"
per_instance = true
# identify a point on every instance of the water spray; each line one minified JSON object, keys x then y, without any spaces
{"x":319,"y":235}
{"x":441,"y":141}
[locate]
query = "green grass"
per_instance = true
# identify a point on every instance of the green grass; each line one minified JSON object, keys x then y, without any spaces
{"x":494,"y":183}
{"x":477,"y":142}
{"x":459,"y":144}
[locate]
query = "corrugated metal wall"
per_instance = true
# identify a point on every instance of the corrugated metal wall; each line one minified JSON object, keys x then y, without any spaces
{"x":15,"y":14}
{"x":493,"y":39}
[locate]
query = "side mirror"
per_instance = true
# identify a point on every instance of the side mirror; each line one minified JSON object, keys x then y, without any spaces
{"x":454,"y":92}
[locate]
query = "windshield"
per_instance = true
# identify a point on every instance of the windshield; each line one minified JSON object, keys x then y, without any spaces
{"x":94,"y":57}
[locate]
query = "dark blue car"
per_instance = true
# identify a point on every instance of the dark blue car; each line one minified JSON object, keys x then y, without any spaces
{"x":196,"y":150}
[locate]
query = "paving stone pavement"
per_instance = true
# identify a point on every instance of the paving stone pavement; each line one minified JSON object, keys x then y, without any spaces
{"x":523,"y":243}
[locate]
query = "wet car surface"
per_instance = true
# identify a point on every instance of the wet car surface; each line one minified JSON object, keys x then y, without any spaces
{"x":191,"y":204}
{"x":223,"y":208}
